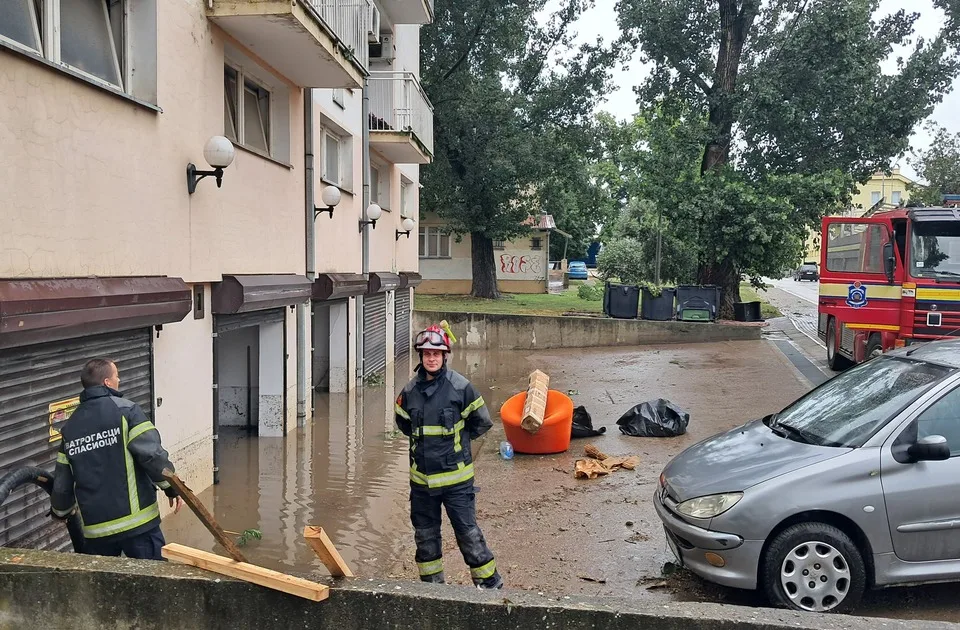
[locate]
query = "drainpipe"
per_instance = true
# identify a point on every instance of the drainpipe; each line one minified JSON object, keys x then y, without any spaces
{"x":304,"y":349}
{"x":365,"y":239}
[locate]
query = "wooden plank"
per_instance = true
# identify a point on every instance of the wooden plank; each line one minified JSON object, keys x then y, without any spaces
{"x":205,"y":516}
{"x":535,"y":406}
{"x":328,"y":554}
{"x":246,"y":572}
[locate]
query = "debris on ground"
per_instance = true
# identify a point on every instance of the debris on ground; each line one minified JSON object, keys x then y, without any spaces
{"x":583,"y":424}
{"x":654,"y":418}
{"x":599,"y":463}
{"x":587,"y":578}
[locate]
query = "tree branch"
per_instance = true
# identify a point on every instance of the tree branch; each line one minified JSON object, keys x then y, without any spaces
{"x":470,"y":44}
{"x":690,"y":75}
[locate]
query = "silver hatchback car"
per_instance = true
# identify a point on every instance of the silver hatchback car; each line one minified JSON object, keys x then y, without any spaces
{"x":855,"y":485}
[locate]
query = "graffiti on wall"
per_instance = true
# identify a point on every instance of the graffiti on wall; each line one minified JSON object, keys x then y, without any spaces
{"x":527,"y":267}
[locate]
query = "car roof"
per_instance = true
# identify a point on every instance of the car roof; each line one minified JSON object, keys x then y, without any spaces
{"x":577,"y":263}
{"x":945,"y":352}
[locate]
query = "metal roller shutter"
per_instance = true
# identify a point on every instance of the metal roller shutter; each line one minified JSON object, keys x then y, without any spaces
{"x":32,"y":380}
{"x":402,"y":317}
{"x":374,"y":333}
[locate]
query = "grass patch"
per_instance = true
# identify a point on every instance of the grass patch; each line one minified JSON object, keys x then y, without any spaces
{"x":511,"y":304}
{"x":749,"y":294}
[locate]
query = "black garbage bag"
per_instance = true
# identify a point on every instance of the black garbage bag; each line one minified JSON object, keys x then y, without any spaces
{"x":583,"y":424}
{"x":654,"y":418}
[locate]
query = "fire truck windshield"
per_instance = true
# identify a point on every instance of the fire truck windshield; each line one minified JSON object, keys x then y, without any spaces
{"x":935,"y":250}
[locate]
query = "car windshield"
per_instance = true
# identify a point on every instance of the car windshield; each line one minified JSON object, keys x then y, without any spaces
{"x":935,"y":250}
{"x":847,"y":410}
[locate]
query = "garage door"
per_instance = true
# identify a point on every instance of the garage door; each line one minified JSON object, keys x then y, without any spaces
{"x":402,"y":335}
{"x":38,"y":384}
{"x":374,"y":333}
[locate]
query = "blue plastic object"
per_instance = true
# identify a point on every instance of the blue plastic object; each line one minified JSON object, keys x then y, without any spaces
{"x":506,"y":450}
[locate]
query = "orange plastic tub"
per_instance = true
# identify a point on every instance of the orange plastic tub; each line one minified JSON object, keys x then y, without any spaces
{"x":554,"y":434}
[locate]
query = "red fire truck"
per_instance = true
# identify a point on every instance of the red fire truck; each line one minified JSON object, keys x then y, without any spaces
{"x":887,"y":280}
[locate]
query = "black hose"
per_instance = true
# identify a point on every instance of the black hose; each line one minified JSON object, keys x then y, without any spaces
{"x":44,"y":479}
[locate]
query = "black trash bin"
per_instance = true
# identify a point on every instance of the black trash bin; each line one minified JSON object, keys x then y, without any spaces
{"x":698,"y":302}
{"x":621,"y":301}
{"x":657,"y":307}
{"x":747,"y":311}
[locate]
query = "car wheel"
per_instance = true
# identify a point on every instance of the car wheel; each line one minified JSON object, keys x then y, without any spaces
{"x":814,"y":567}
{"x":874,"y":347}
{"x":835,"y":361}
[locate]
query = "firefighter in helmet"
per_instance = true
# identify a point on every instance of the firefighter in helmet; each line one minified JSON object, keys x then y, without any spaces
{"x":441,"y":412}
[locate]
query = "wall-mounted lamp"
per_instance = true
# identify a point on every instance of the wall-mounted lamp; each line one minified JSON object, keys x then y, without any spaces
{"x":407,"y":224}
{"x":373,"y":213}
{"x":330,"y":196}
{"x":219,"y":153}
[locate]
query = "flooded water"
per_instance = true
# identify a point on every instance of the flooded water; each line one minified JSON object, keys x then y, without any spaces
{"x":347,"y":473}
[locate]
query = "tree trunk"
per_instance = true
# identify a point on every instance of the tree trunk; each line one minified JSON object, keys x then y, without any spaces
{"x":735,"y":25}
{"x":484,"y":267}
{"x":728,"y":279}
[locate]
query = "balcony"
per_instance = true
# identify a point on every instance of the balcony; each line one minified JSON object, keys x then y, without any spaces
{"x":401,"y":118}
{"x":408,"y":11}
{"x":314,"y":43}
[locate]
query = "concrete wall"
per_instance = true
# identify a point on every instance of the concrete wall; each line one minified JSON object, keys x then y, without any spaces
{"x":526,"y":332}
{"x":233,"y":377}
{"x":183,"y":374}
{"x":70,"y":591}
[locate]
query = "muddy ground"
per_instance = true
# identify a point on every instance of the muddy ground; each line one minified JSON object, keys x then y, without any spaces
{"x":550,"y":532}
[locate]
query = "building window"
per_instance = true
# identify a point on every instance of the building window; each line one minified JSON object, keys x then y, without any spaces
{"x":536,"y":243}
{"x":251,"y":106}
{"x":338,"y":98}
{"x":895,"y":197}
{"x":404,"y":199}
{"x":499,"y":244}
{"x":855,"y":247}
{"x":434,"y":243}
{"x":874,"y":197}
{"x":331,"y":159}
{"x":375,"y":185}
{"x":110,"y":42}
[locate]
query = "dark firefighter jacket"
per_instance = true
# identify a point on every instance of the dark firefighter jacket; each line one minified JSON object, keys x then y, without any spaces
{"x":110,"y":465}
{"x":441,"y":417}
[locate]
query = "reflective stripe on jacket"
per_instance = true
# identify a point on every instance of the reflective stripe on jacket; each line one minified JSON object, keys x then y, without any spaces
{"x":110,"y":465}
{"x":441,"y":417}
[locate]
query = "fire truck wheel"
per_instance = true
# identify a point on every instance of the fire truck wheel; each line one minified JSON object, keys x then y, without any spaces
{"x":836,"y":362}
{"x":874,"y":347}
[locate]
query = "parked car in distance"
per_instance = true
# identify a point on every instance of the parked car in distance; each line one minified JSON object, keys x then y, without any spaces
{"x":577,"y":270}
{"x":852,"y":486}
{"x":807,"y":271}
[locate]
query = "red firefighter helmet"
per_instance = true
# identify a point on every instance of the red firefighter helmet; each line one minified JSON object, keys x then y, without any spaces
{"x":433,"y":338}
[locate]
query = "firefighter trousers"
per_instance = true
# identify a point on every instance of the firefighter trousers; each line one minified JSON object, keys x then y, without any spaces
{"x":460,"y":504}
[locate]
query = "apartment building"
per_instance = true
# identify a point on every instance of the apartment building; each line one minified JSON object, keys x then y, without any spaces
{"x":184,"y":190}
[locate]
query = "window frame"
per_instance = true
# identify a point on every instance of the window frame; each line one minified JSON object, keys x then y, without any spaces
{"x":324,"y":175}
{"x":135,"y":58}
{"x":536,"y":243}
{"x":245,"y":77}
{"x":439,"y":237}
{"x":846,"y":229}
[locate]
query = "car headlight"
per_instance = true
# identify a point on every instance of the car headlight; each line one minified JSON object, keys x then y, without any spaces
{"x":709,"y":506}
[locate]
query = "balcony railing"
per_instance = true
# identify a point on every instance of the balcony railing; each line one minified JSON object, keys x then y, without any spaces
{"x":398,"y":103}
{"x":350,"y":21}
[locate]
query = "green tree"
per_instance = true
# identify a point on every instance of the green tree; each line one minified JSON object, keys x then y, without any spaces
{"x":939,"y":166}
{"x":506,"y":118}
{"x":793,"y":108}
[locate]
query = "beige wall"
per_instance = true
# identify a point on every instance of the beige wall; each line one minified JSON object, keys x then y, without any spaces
{"x":78,"y":164}
{"x":463,"y":287}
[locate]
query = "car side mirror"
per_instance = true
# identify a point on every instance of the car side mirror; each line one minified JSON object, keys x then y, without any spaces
{"x":932,"y":448}
{"x":889,"y":261}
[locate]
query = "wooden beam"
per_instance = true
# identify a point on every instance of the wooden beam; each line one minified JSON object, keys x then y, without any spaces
{"x":246,"y":572}
{"x":328,"y":554}
{"x":205,"y":517}
{"x":535,"y":405}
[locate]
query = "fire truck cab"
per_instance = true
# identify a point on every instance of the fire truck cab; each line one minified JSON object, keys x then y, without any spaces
{"x":888,"y":280}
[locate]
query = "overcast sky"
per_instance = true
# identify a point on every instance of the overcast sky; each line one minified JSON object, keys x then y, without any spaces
{"x":602,"y":21}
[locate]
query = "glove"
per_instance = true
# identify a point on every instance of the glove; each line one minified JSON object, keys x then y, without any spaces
{"x":171,"y":492}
